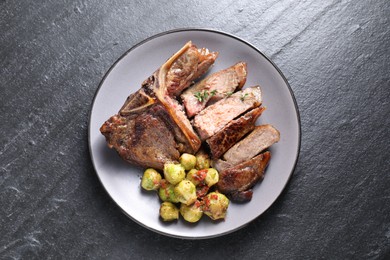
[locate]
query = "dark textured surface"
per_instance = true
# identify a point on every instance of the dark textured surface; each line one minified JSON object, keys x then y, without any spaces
{"x":336,"y":56}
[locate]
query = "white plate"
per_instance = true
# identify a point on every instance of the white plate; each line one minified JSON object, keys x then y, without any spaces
{"x":122,"y":181}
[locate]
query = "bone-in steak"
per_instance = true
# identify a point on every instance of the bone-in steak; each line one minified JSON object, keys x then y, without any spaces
{"x":151,"y":127}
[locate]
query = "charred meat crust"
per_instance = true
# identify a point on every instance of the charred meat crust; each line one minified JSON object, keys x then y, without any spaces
{"x":224,"y":139}
{"x":243,"y":176}
{"x":136,"y":140}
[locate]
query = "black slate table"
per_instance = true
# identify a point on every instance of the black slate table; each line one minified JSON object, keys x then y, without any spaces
{"x":335,"y":55}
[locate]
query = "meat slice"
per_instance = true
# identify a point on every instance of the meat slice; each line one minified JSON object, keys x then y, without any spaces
{"x":214,"y":88}
{"x":259,"y":139}
{"x":220,"y":165}
{"x":238,"y":180}
{"x":214,"y":117}
{"x":151,"y":128}
{"x":233,"y":132}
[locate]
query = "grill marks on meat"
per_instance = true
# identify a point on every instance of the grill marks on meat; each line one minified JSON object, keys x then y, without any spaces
{"x":151,"y":128}
{"x":233,"y":132}
{"x":214,"y":117}
{"x":216,"y":86}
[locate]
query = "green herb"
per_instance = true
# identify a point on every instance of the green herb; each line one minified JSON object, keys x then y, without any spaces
{"x":202,"y":96}
{"x":199,"y":96}
{"x":228,"y":94}
{"x":243,"y":96}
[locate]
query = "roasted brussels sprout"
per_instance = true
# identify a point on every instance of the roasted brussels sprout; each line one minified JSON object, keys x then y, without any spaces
{"x":151,"y":179}
{"x":166,"y":192}
{"x":212,"y":177}
{"x":185,"y":192}
{"x":202,"y":160}
{"x":168,"y":211}
{"x":191,"y":213}
{"x":215,"y":205}
{"x":196,"y":176}
{"x":174,"y":173}
{"x":188,"y":161}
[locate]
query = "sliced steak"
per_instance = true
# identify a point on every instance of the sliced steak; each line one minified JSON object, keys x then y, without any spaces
{"x":237,"y":180}
{"x":233,"y":132}
{"x":214,"y":117}
{"x":259,"y":139}
{"x":151,"y":128}
{"x":220,"y":165}
{"x":214,"y":88}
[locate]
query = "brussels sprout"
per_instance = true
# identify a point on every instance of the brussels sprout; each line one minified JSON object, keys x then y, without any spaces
{"x":174,"y":173}
{"x":185,"y":192}
{"x":215,"y":205}
{"x":166,"y":192}
{"x":151,"y":179}
{"x":191,"y":213}
{"x":212,"y":177}
{"x":188,"y":161}
{"x":202,"y":160}
{"x":196,"y":176}
{"x":168,"y":211}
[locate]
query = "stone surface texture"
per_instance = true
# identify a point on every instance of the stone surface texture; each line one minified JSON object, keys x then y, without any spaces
{"x":336,"y":57}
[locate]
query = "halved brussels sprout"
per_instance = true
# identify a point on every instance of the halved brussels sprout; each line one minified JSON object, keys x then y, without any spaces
{"x":168,"y":211}
{"x":188,"y":161}
{"x":174,"y":173}
{"x":151,"y":179}
{"x":215,"y":205}
{"x":191,"y":213}
{"x":212,"y":177}
{"x":166,"y":192}
{"x":185,"y":192}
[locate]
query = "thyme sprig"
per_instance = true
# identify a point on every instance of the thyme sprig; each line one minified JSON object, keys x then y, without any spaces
{"x":243,"y":96}
{"x":204,"y":95}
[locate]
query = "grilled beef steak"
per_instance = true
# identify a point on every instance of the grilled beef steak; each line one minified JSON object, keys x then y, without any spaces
{"x":151,"y":128}
{"x":213,"y":88}
{"x":262,"y":137}
{"x":143,"y":139}
{"x":233,"y":132}
{"x":214,"y":117}
{"x":237,"y":180}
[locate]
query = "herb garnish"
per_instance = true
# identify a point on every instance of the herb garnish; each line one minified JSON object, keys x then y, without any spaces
{"x":202,"y":96}
{"x":243,"y":96}
{"x":228,"y":94}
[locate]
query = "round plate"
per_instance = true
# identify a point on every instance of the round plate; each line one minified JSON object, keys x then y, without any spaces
{"x":122,"y":181}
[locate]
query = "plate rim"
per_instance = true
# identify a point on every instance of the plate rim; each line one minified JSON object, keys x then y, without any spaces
{"x":187,"y":29}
